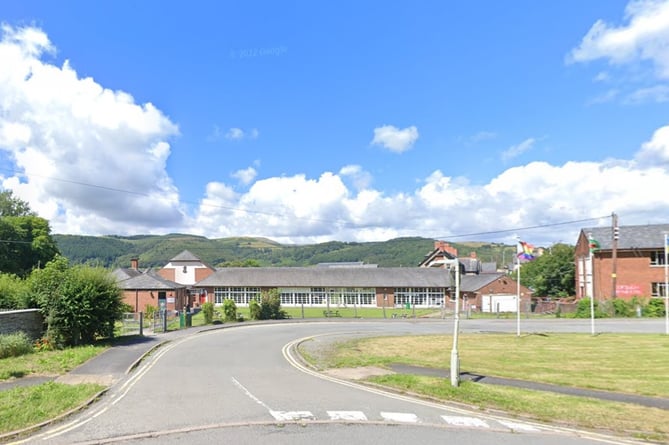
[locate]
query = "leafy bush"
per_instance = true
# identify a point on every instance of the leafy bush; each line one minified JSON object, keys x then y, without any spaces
{"x":583,"y":309}
{"x":208,"y":312}
{"x":14,"y":292}
{"x":622,"y":308}
{"x":270,"y":306}
{"x":150,"y":311}
{"x":254,"y":310}
{"x":229,"y":310}
{"x":79,"y":303}
{"x":14,"y":345}
{"x":654,"y":308}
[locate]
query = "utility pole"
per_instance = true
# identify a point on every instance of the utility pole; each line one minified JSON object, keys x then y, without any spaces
{"x":614,"y":253}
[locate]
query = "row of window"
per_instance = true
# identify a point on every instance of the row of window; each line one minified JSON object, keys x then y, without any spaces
{"x":319,"y":296}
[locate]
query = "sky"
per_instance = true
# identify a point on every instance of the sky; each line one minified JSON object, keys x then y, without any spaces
{"x":306,"y":122}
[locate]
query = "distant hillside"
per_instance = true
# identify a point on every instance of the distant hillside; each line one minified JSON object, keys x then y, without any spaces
{"x":156,"y":250}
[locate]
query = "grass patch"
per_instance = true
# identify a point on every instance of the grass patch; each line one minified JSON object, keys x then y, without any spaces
{"x":47,"y":362}
{"x":626,"y":363}
{"x":607,"y":362}
{"x":637,"y":421}
{"x":26,"y":406}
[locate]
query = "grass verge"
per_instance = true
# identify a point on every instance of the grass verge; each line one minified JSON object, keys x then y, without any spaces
{"x":627,"y":363}
{"x":47,"y":362}
{"x":26,"y":406}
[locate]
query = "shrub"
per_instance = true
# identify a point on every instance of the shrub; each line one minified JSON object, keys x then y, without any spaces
{"x":229,"y":310}
{"x":583,"y":309}
{"x":270,"y":306}
{"x":150,"y":311}
{"x":14,"y":345}
{"x":622,"y":308}
{"x":254,"y":310}
{"x":208,"y":312}
{"x":654,"y":308}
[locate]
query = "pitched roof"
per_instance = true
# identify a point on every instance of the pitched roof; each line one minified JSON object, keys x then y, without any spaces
{"x":328,"y":277}
{"x":123,"y":273}
{"x":630,"y":237}
{"x":473,"y":283}
{"x":185,"y":256}
{"x":149,"y":281}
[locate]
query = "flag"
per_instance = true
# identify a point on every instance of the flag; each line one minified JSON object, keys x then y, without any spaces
{"x":525,"y":251}
{"x":593,"y":244}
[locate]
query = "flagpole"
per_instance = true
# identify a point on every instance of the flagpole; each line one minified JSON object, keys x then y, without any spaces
{"x":518,"y":299}
{"x":666,"y":284}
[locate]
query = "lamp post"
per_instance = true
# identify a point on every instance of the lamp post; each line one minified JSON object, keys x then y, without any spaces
{"x":454,"y":266}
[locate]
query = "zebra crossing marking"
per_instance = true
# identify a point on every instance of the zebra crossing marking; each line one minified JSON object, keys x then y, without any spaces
{"x":347,"y":415}
{"x":400,"y":417}
{"x":292,"y":415}
{"x":465,"y":421}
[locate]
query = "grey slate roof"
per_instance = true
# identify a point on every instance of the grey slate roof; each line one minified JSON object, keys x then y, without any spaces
{"x":149,"y":281}
{"x":631,"y":237}
{"x":123,"y":273}
{"x":185,"y":256}
{"x":328,"y":277}
{"x":473,"y":283}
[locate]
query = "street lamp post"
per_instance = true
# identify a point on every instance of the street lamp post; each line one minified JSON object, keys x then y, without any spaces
{"x":455,"y":358}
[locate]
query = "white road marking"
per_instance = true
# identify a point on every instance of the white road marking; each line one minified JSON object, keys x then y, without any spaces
{"x":288,"y":416}
{"x":519,"y":426}
{"x":347,"y":415}
{"x":400,"y":417}
{"x":465,"y":421}
{"x":249,"y":395}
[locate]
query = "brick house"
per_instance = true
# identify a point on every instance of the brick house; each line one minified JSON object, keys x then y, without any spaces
{"x":481,"y":288}
{"x":142,"y":288}
{"x":631,"y":266}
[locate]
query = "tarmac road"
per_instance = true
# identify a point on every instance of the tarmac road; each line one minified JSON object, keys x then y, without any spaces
{"x":245,"y":384}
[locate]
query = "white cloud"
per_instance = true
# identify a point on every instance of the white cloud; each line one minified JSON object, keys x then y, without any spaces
{"x":63,"y":132}
{"x":237,"y":134}
{"x":645,"y":37}
{"x":517,"y":150}
{"x":361,"y":178}
{"x":656,"y":151}
{"x":394,"y":139}
{"x":657,"y":93}
{"x":245,"y":176}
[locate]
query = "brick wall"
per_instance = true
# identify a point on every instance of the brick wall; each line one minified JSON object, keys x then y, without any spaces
{"x":28,"y":320}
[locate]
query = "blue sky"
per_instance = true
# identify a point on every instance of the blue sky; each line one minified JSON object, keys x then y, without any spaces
{"x":305,"y":122}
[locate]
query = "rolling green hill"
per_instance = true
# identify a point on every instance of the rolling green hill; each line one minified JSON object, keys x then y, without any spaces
{"x":157,"y":250}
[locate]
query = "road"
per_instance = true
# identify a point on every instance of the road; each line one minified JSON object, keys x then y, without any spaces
{"x":244,"y":385}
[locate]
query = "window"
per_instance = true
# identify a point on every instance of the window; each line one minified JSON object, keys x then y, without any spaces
{"x":240,"y":295}
{"x":658,"y":290}
{"x":657,"y":258}
{"x":419,"y":296}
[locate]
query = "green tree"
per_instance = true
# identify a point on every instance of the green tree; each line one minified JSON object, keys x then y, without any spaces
{"x":551,"y":274}
{"x":25,"y":239}
{"x":79,"y":303}
{"x":13,"y":206}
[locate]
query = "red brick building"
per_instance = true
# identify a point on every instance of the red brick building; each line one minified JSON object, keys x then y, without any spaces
{"x":630,"y":266}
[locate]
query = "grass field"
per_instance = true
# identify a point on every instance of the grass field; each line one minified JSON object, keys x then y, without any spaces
{"x":634,"y":364}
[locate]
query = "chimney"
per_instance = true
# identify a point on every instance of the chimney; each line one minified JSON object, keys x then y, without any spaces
{"x":445,"y":247}
{"x":134,"y":263}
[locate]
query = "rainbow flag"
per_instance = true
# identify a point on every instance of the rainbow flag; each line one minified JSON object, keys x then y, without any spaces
{"x":525,"y":251}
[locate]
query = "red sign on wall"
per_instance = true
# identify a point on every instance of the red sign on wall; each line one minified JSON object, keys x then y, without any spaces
{"x":628,"y":290}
